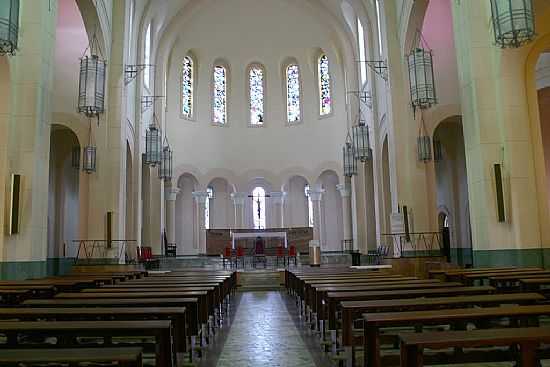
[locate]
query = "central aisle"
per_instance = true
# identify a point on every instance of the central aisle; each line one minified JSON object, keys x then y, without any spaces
{"x":263,"y":334}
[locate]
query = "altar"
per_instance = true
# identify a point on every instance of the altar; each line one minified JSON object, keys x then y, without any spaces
{"x":218,"y":239}
{"x":237,"y":235}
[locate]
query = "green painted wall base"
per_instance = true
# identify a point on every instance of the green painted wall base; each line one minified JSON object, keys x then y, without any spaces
{"x":461,"y":256}
{"x":526,"y":257}
{"x":18,"y":270}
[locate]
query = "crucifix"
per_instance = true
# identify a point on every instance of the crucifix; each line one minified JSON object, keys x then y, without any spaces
{"x":256,"y":200}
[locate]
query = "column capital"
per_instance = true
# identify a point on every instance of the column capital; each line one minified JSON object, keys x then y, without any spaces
{"x":345,"y":190}
{"x":239,"y":197}
{"x":171,"y":193}
{"x":278,"y":197}
{"x":201,"y":196}
{"x":316,"y":193}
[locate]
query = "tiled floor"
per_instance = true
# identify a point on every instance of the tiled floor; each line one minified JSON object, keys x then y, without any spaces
{"x":263,"y":333}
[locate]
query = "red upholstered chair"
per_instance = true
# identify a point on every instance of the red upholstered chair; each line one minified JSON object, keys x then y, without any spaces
{"x":227,"y":255}
{"x":280,"y":254}
{"x":240,"y":255}
{"x":292,"y":254}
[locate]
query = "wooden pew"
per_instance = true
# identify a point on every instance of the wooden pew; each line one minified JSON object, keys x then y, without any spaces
{"x":435,"y":273}
{"x":471,"y":279}
{"x":68,"y":330}
{"x":352,"y":310}
{"x":528,"y":339}
{"x":535,"y":284}
{"x":176,"y":314}
{"x":374,"y":322}
{"x":124,"y":357}
{"x":202,"y":296}
{"x":334,"y":298}
{"x":14,"y":296}
{"x":511,"y":282}
{"x":191,"y":306}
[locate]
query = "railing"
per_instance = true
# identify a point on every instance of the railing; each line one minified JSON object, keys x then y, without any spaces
{"x":103,"y":251}
{"x":413,"y":244}
{"x":347,"y":245}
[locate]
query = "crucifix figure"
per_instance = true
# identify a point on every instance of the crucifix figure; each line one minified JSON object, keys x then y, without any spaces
{"x":257,"y":195}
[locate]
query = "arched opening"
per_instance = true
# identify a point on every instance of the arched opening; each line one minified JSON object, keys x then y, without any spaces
{"x":130,"y":234}
{"x":258,"y":208}
{"x":386,"y":187}
{"x":443,"y":221}
{"x":452,"y":187}
{"x":187,"y":225}
{"x":296,"y":203}
{"x":543,"y":97}
{"x":222,"y":213}
{"x":63,"y":192}
{"x":332,"y":228}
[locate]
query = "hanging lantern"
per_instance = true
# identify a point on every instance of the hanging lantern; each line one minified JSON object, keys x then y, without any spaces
{"x":91,"y":84}
{"x":513,"y":22}
{"x":424,"y":144}
{"x":361,"y":142}
{"x":165,"y":167}
{"x":350,"y":164}
{"x":75,"y":157}
{"x":421,"y":78}
{"x":9,"y":26}
{"x":152,"y":146}
{"x":89,"y":159}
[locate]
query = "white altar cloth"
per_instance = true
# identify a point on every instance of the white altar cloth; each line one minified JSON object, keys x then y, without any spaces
{"x":237,"y":235}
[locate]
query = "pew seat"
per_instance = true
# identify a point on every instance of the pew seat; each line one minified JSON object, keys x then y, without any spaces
{"x":412,"y":345}
{"x":124,"y":357}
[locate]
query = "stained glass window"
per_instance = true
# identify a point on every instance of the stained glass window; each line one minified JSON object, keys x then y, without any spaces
{"x":325,"y":101}
{"x":258,"y":207}
{"x":210,"y":192}
{"x":220,"y":94}
{"x":256,"y":90}
{"x":293,"y":93}
{"x":187,"y":86}
{"x":309,"y":206}
{"x":147,"y":57}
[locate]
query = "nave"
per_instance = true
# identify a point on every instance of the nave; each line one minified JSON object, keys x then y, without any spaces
{"x":313,"y":316}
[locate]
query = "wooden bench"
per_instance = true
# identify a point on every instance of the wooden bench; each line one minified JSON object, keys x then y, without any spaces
{"x":352,"y":310}
{"x":374,"y":322}
{"x":204,"y":306}
{"x":190,"y":304}
{"x":176,"y":314}
{"x":68,"y":330}
{"x":124,"y":357}
{"x":334,"y":298}
{"x":535,"y":284}
{"x":412,"y":345}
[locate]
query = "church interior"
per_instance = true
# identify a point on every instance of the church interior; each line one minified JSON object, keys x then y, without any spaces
{"x":291,"y":183}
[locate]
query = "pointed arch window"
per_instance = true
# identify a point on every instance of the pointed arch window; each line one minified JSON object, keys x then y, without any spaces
{"x":258,"y":207}
{"x":325,"y":92}
{"x":256,"y":91}
{"x":188,"y":86}
{"x":219,"y":96}
{"x":293,"y":93}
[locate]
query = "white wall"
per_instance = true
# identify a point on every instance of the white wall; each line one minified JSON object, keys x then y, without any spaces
{"x":239,"y":36}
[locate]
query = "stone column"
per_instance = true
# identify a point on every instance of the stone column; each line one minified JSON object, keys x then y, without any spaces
{"x":238,"y":201}
{"x":316,"y":194}
{"x":278,"y":201}
{"x":345,"y":192}
{"x":201,"y":197}
{"x":171,"y":195}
